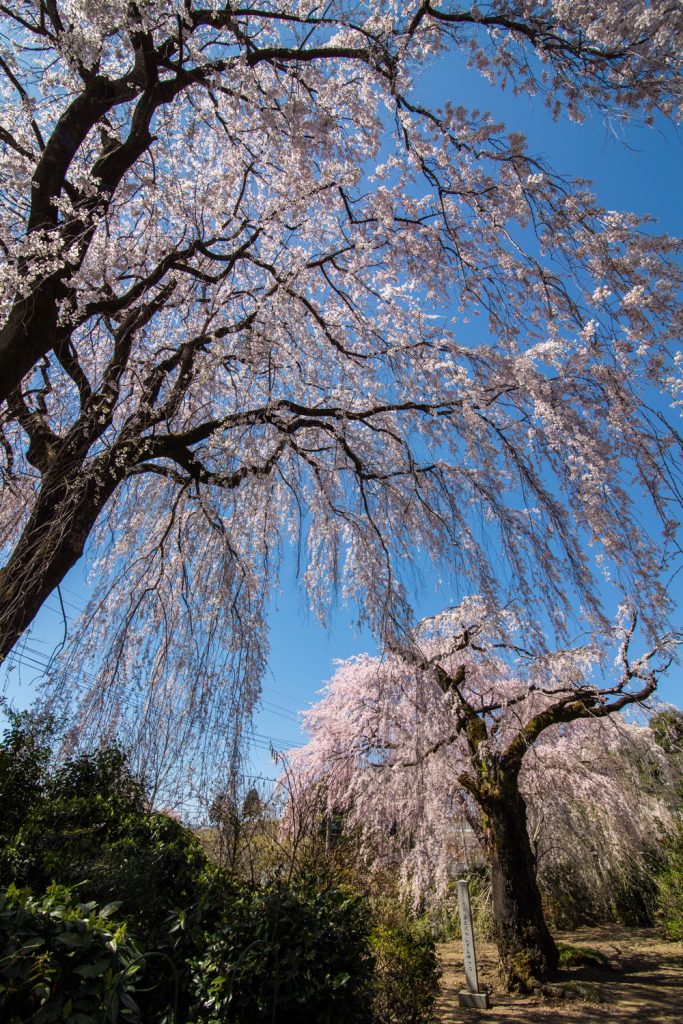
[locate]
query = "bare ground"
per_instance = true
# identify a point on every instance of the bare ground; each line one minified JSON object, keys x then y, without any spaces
{"x":644,"y":984}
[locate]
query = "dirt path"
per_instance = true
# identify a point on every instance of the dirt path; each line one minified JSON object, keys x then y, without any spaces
{"x":645,"y":984}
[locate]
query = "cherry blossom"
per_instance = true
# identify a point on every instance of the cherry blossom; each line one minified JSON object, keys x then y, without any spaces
{"x":237,"y":264}
{"x":465,"y":725}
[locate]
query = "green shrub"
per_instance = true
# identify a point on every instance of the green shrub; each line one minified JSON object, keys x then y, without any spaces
{"x":626,"y":896}
{"x":85,"y":823}
{"x":217,"y":951}
{"x":286,"y":956}
{"x":24,"y":756}
{"x":567,"y":901}
{"x":634,"y":893}
{"x":406,"y":975}
{"x":64,"y":961}
{"x":90,"y":828}
{"x":670,"y":886}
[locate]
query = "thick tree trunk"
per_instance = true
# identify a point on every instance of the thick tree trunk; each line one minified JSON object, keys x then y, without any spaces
{"x":50,"y":545}
{"x":28,"y":334}
{"x":527,"y":951}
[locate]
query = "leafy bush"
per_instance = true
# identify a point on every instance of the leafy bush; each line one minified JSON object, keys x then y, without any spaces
{"x":85,"y":823}
{"x":216,"y":950}
{"x":64,"y":961}
{"x":634,"y":892}
{"x":567,"y":900}
{"x":627,"y":894}
{"x":24,"y":756}
{"x":286,"y":956}
{"x":670,"y":886}
{"x":90,"y":827}
{"x":406,"y":975}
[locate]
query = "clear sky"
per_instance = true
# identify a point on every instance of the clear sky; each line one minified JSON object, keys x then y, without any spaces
{"x":639,"y":170}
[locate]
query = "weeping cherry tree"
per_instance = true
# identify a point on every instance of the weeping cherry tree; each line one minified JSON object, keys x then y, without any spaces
{"x":466,"y":724}
{"x":252,"y":291}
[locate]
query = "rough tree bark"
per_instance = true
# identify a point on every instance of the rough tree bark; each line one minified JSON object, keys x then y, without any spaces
{"x":528,"y":954}
{"x":51,"y":543}
{"x":527,"y":951}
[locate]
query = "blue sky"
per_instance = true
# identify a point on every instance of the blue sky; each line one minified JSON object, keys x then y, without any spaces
{"x":639,"y":169}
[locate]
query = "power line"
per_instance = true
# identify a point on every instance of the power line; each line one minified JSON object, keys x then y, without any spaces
{"x":27,"y":651}
{"x":35,"y":661}
{"x":264,"y":702}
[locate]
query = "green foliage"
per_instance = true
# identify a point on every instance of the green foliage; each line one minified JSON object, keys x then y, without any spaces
{"x":217,"y":951}
{"x":667,"y":726}
{"x":627,"y":895}
{"x":586,"y":991}
{"x":104,"y":774}
{"x":24,"y":756}
{"x":634,"y":892}
{"x":285,"y":956}
{"x":149,"y":863}
{"x":567,"y":900}
{"x":64,"y":961}
{"x":670,"y":886}
{"x":89,"y":827}
{"x":406,"y":975}
{"x":580,"y":956}
{"x":253,"y":805}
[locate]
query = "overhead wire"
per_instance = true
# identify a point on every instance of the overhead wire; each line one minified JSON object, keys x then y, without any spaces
{"x":35,"y":660}
{"x":264,"y":689}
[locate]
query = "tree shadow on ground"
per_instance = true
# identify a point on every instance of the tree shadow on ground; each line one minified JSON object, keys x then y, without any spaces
{"x":644,"y":984}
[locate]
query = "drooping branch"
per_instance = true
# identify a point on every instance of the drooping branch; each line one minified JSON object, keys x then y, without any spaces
{"x":235,"y":250}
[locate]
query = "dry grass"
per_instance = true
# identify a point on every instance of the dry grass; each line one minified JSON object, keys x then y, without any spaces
{"x":645,"y":983}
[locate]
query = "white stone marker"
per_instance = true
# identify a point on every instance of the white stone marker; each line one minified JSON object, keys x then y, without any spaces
{"x":472,"y":996}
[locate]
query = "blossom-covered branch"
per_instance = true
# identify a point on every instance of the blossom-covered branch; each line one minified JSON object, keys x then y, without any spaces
{"x":252,"y":290}
{"x":457,"y":726}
